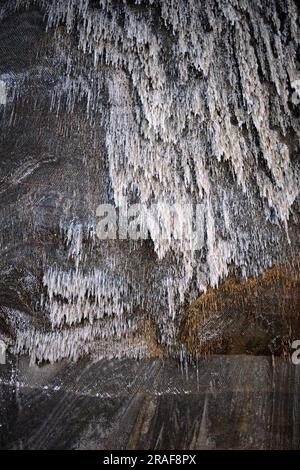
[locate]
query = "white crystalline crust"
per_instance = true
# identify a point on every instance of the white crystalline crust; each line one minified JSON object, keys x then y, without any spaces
{"x":192,"y":87}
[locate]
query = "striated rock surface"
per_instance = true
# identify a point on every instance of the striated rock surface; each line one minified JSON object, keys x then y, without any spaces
{"x":225,"y":402}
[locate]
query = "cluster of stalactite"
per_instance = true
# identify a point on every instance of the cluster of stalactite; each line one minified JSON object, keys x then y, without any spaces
{"x":198,"y":103}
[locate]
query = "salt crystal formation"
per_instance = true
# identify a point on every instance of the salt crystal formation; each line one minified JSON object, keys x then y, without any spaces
{"x":196,"y":103}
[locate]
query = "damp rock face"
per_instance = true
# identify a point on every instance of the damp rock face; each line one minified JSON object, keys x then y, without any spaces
{"x":167,"y":104}
{"x":225,"y":402}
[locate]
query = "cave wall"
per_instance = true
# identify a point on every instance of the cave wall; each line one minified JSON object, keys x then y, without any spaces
{"x":157,"y":102}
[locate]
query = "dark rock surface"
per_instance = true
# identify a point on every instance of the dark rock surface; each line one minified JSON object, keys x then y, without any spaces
{"x":225,"y":402}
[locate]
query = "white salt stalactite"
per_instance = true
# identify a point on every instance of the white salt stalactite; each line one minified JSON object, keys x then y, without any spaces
{"x":170,"y":130}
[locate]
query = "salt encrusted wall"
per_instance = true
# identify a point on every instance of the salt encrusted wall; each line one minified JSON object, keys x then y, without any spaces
{"x":158,"y":102}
